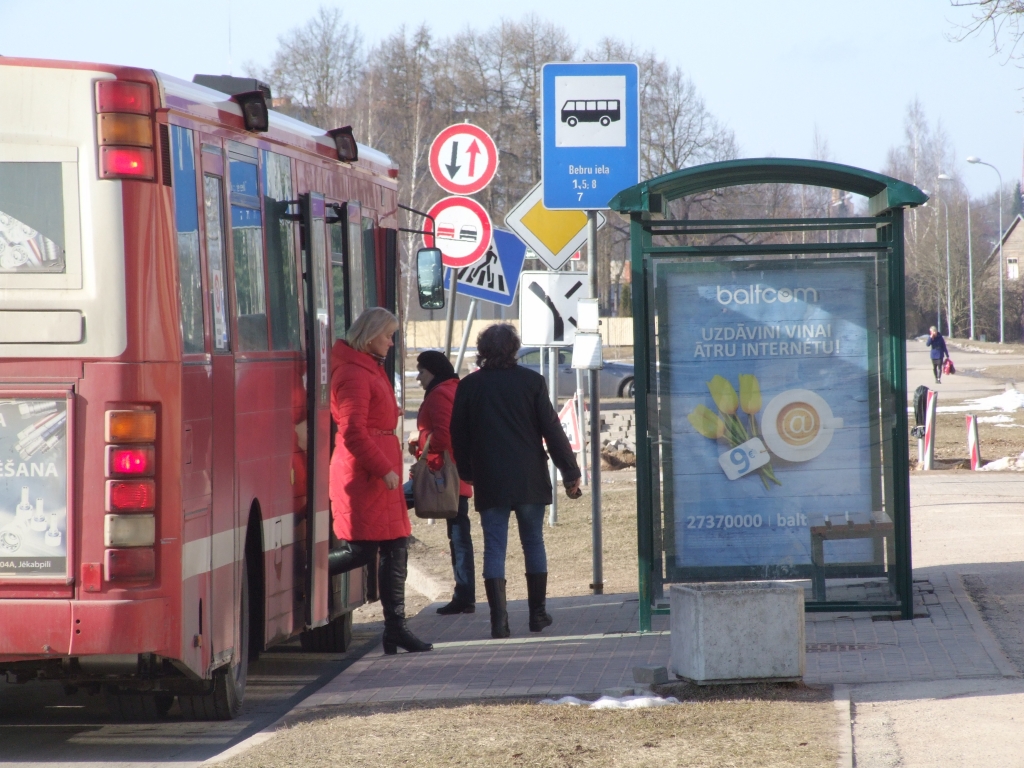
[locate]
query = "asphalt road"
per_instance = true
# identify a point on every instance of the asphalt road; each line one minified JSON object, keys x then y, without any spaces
{"x":970,"y":381}
{"x":41,"y":726}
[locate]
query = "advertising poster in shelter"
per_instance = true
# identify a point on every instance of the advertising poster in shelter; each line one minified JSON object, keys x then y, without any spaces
{"x":33,"y":487}
{"x":768,"y":376}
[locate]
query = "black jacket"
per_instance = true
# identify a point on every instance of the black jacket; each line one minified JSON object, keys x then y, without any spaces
{"x":497,"y":424}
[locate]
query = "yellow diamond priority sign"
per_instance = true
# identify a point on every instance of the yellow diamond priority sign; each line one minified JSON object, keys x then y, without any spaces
{"x":553,"y":235}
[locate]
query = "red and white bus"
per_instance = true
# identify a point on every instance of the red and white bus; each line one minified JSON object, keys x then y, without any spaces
{"x":175,"y":264}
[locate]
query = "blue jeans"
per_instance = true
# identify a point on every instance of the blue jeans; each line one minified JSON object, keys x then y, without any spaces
{"x":461,"y":545}
{"x":494,"y":522}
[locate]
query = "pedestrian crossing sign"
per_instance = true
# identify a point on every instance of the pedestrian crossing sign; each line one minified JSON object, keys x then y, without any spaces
{"x":494,"y":277}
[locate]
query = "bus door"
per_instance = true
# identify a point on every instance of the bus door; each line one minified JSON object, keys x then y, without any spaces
{"x":224,"y":565}
{"x":318,"y":404}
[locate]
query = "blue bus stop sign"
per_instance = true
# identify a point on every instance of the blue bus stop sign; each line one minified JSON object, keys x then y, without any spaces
{"x":591,"y":133}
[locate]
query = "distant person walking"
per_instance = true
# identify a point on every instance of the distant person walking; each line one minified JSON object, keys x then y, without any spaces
{"x":439,"y":380}
{"x":939,"y":352}
{"x":501,"y":414}
{"x":367,"y":504}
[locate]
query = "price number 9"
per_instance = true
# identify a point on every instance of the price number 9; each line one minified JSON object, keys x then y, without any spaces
{"x":740,"y":460}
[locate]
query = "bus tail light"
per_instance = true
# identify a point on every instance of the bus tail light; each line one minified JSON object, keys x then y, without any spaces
{"x":127,"y":163}
{"x":124,"y":130}
{"x":130,"y":564}
{"x":133,"y":130}
{"x":129,"y":527}
{"x":130,"y":461}
{"x":123,"y":96}
{"x":131,"y":426}
{"x":129,"y":530}
{"x":131,"y":495}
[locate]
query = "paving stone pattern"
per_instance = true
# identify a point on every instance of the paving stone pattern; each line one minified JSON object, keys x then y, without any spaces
{"x":593,"y":646}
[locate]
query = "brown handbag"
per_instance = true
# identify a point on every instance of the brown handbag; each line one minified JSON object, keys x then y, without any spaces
{"x":435,"y":493}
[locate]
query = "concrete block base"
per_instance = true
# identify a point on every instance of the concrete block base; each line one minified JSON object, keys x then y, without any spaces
{"x":737,"y":632}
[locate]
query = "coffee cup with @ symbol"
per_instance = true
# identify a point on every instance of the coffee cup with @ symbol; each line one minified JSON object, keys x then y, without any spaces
{"x":797,"y":425}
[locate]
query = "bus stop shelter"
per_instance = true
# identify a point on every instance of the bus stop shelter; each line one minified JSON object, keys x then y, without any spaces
{"x":771,"y":395}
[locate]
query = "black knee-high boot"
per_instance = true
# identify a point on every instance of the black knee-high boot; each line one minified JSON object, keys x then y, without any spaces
{"x":499,"y":611}
{"x":394,"y":567}
{"x":536,"y":597}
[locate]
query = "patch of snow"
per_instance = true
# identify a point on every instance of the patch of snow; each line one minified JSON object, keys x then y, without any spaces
{"x":994,"y":419}
{"x":615,"y":702}
{"x":1005,"y":464}
{"x":1011,"y":426}
{"x":1011,"y":400}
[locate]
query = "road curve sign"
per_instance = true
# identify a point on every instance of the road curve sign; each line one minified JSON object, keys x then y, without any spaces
{"x":463,"y":159}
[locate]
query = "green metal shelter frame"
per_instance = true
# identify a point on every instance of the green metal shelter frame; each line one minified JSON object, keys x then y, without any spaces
{"x":881,"y":256}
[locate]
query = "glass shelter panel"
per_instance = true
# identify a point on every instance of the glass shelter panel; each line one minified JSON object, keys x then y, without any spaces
{"x":770,"y":430}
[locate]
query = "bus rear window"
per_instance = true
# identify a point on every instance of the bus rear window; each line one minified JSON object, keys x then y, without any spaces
{"x":31,"y":218}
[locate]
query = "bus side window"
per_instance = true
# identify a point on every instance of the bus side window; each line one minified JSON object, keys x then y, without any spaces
{"x":247,"y":239}
{"x":336,"y":232}
{"x":370,"y":263}
{"x":280,"y":234}
{"x":186,"y":215}
{"x":213,"y":193}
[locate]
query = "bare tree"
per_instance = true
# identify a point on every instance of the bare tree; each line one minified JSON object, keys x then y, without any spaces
{"x":1004,"y":19}
{"x":315,"y":70}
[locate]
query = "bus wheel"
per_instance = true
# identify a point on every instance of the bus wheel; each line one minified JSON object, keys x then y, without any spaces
{"x":224,"y":700}
{"x":135,"y":706}
{"x":572,"y":122}
{"x":606,"y":121}
{"x":333,"y":637}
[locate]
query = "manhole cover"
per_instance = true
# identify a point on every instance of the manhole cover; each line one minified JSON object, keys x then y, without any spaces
{"x":839,"y":647}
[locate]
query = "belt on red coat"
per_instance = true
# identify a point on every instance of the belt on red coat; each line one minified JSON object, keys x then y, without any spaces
{"x":383,"y":432}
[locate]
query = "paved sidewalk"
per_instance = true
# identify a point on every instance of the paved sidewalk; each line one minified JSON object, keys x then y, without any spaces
{"x":593,"y":646}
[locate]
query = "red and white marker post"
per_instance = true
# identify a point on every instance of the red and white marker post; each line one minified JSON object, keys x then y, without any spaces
{"x":973,"y":449}
{"x":929,"y":430}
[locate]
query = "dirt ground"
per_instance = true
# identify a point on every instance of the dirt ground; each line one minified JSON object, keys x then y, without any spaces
{"x":568,"y":544}
{"x":743,"y":726}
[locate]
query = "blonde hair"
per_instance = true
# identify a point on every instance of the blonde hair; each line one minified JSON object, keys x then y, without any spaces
{"x":371,"y":323}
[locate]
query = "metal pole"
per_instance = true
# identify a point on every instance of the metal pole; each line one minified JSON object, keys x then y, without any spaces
{"x":465,"y":334}
{"x":581,"y":413}
{"x":970,"y":264}
{"x":949,"y":311}
{"x":1002,"y":268}
{"x":595,"y":422}
{"x":450,"y":326}
{"x":553,"y":394}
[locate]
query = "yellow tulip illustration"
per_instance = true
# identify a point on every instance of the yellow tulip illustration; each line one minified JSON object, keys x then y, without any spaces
{"x":724,"y":395}
{"x":706,"y":422}
{"x":750,"y":394}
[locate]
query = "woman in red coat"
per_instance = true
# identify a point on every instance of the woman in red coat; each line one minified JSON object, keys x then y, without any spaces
{"x":367,"y":504}
{"x":439,"y":380}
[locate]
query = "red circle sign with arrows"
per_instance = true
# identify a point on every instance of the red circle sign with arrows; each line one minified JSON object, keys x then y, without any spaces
{"x":463,"y":159}
{"x":463,"y":230}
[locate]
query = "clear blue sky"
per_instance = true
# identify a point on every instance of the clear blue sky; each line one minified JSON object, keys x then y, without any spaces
{"x":772,"y":71}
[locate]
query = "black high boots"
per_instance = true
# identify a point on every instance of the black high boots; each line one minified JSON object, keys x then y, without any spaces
{"x":499,"y":612}
{"x":394,"y":567}
{"x":536,"y":597}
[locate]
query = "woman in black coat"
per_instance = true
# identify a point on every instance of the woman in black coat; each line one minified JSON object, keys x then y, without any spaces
{"x":501,"y":415}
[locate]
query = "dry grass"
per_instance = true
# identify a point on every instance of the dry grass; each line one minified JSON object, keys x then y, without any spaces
{"x":741,"y":731}
{"x":568,"y":544}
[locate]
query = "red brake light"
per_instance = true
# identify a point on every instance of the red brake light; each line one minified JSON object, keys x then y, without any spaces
{"x":131,"y":495}
{"x":136,"y":460}
{"x":123,"y":96}
{"x":137,"y":564}
{"x":126,"y":162}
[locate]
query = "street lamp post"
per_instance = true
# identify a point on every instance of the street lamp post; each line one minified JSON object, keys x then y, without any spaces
{"x":949,"y":311}
{"x":979,"y":161}
{"x":970,"y":258}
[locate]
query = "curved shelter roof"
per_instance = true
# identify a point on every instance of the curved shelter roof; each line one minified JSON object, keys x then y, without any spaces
{"x":883,"y":192}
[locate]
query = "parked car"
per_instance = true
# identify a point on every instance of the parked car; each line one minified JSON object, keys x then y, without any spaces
{"x":616,"y":379}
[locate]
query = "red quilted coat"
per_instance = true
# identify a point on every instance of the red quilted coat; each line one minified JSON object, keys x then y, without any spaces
{"x":434,"y":416}
{"x":366,"y":448}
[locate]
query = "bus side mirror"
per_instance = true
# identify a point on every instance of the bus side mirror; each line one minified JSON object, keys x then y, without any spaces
{"x":430,"y":278}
